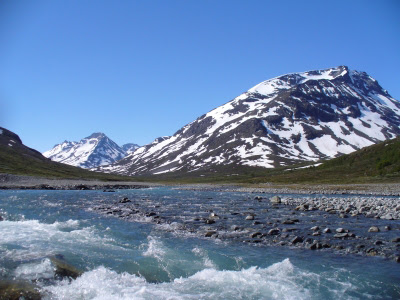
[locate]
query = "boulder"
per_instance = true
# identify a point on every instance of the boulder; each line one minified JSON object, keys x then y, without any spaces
{"x":63,"y":269}
{"x":210,"y":233}
{"x":302,"y":207}
{"x":255,"y":234}
{"x":373,"y":229}
{"x":276,"y":199}
{"x":296,"y":239}
{"x":372,"y":252}
{"x":15,"y":290}
{"x":125,"y":200}
{"x":235,"y":228}
{"x":327,"y":230}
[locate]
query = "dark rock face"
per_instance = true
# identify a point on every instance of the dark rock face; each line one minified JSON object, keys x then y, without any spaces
{"x":293,"y":118}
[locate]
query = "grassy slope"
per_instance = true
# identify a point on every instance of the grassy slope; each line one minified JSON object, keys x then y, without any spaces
{"x":374,"y":164}
{"x":22,"y":162}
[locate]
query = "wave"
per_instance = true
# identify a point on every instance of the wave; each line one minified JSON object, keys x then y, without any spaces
{"x":281,"y":280}
{"x":31,"y":239}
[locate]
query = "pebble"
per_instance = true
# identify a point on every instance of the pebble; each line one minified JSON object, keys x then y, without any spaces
{"x":274,"y":231}
{"x":288,"y":222}
{"x":341,"y":235}
{"x":297,"y":239}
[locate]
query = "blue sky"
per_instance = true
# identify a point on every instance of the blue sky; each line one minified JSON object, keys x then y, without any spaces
{"x":137,"y":70}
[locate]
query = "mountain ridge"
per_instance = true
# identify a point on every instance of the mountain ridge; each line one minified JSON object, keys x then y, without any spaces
{"x":293,"y":118}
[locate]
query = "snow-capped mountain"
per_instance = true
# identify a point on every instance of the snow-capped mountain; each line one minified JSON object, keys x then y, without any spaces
{"x":130,"y":148}
{"x":288,"y":119}
{"x":90,"y":152}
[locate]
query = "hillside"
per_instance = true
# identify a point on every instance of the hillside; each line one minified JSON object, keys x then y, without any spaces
{"x":373,"y":164}
{"x":18,"y":159}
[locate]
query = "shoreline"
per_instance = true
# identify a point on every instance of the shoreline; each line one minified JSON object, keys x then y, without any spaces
{"x":386,"y":189}
{"x":21,"y":182}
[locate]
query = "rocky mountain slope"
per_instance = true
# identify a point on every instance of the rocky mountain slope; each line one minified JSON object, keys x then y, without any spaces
{"x":90,"y":152}
{"x":289,"y":119}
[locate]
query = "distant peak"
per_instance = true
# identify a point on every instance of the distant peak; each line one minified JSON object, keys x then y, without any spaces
{"x":96,"y":135}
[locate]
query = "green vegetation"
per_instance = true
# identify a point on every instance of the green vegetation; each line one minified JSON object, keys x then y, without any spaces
{"x":24,"y":161}
{"x":378,"y":163}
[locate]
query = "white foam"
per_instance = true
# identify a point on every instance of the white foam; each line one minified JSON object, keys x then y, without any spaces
{"x":155,"y":248}
{"x":33,"y":271}
{"x":208,"y":263}
{"x":278,"y":281}
{"x":36,"y":240}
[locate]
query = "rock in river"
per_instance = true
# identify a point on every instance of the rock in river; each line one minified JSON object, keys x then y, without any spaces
{"x":373,"y":229}
{"x":276,"y":199}
{"x":14,"y":290}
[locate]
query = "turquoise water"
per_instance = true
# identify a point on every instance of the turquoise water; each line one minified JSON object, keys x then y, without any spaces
{"x":138,"y":259}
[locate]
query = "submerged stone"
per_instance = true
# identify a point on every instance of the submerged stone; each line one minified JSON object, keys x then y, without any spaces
{"x":63,"y":269}
{"x":15,"y":290}
{"x":210,"y":233}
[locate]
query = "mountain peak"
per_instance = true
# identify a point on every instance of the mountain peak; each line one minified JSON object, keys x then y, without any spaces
{"x":97,"y":135}
{"x":288,"y":81}
{"x":293,"y":118}
{"x":90,"y":152}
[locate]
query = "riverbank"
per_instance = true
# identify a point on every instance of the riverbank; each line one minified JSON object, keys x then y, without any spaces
{"x":384,"y":189}
{"x":8,"y":181}
{"x":18,"y":182}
